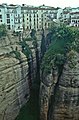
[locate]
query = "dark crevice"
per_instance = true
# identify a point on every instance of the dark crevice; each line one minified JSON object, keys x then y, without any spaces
{"x":53,"y":97}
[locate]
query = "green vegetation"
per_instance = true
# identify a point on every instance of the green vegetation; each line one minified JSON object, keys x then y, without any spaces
{"x":3,"y":30}
{"x":63,"y":39}
{"x":14,"y":53}
{"x":33,"y":32}
{"x":28,"y":39}
{"x":17,"y":54}
{"x":31,"y":110}
{"x":25,"y":49}
{"x":43,"y":45}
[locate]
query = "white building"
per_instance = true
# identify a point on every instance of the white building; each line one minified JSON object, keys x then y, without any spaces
{"x":18,"y":18}
{"x":63,"y":15}
{"x":11,"y":16}
{"x":37,"y":17}
{"x":74,"y":17}
{"x":2,"y":14}
{"x":60,"y":14}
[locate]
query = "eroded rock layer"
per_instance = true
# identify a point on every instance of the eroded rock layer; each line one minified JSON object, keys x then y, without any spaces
{"x":60,"y":95}
{"x":14,"y":85}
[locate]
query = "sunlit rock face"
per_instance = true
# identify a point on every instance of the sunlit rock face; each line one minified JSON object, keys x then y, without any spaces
{"x":14,"y":85}
{"x":15,"y":79}
{"x":60,"y":100}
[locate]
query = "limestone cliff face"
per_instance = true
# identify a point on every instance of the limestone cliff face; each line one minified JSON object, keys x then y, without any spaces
{"x":14,"y":85}
{"x":16,"y":75}
{"x":60,"y":95}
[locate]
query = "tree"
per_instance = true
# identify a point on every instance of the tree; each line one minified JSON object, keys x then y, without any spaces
{"x":33,"y":33}
{"x":61,"y":44}
{"x":43,"y":45}
{"x":3,"y":30}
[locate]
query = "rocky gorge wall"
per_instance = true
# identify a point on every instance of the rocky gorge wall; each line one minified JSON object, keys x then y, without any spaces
{"x":59,"y":95}
{"x":14,"y":84}
{"x":16,"y":73}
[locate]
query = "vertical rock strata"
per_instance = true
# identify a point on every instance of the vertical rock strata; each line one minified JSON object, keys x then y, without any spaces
{"x":15,"y":80}
{"x":60,"y":99}
{"x":14,"y":86}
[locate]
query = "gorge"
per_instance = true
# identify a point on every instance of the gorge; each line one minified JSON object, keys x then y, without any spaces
{"x":40,"y":70}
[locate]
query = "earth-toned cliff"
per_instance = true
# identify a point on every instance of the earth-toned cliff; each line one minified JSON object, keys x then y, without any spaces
{"x":59,"y":89}
{"x":20,"y":56}
{"x":14,"y":85}
{"x":18,"y":68}
{"x":60,"y":97}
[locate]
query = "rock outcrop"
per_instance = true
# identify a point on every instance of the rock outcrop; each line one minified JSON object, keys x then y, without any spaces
{"x":14,"y":84}
{"x":59,"y":95}
{"x":16,"y":73}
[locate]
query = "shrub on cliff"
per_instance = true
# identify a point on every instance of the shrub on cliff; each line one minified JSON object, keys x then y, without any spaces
{"x":62,"y":42}
{"x":3,"y":30}
{"x":25,"y":49}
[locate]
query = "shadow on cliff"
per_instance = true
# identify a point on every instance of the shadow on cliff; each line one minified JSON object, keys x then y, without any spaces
{"x":31,"y":110}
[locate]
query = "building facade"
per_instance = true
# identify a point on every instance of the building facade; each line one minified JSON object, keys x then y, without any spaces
{"x":18,"y":18}
{"x":74,"y":17}
{"x":11,"y":16}
{"x":37,"y":17}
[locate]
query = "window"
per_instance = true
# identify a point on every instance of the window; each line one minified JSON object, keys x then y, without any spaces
{"x":34,"y":22}
{"x":8,"y":20}
{"x":42,"y":15}
{"x":27,"y":27}
{"x":0,"y":10}
{"x":8,"y":15}
{"x":16,"y":20}
{"x":76,"y":21}
{"x":19,"y":21}
{"x":37,"y":25}
{"x":73,"y":20}
{"x":0,"y":16}
{"x":45,"y":24}
{"x":8,"y":26}
{"x":1,"y":20}
{"x":23,"y":20}
{"x":34,"y":15}
{"x":27,"y":18}
{"x":30,"y":19}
